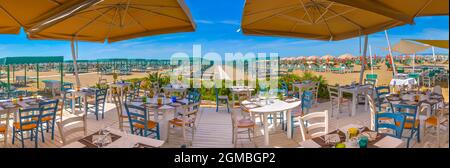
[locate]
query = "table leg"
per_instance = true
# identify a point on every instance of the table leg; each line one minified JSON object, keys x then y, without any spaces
{"x":354,"y":102}
{"x":288,"y":123}
{"x":85,"y":104}
{"x":164,"y":124}
{"x":73,"y":102}
{"x":232,"y":101}
{"x":266,"y":130}
{"x":339,"y":102}
{"x":366,"y":102}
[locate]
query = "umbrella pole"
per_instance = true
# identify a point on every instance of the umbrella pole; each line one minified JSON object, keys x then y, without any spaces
{"x":371,"y":62}
{"x":434,"y":54}
{"x":390,"y":53}
{"x":75,"y":67}
{"x":414,"y":62}
{"x":363,"y":66}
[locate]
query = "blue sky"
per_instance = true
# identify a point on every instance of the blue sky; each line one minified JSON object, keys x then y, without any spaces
{"x":217,"y":24}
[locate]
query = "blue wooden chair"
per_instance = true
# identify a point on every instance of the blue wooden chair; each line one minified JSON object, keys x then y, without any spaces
{"x":48,"y":110}
{"x":381,"y":93}
{"x":98,"y":104}
{"x":139,"y":123}
{"x":26,"y":123}
{"x":219,"y":98}
{"x":411,"y":121}
{"x":307,"y":101}
{"x":397,"y":129}
{"x":134,"y":92}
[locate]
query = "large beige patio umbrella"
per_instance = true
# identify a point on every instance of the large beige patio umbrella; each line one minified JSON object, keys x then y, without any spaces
{"x":115,"y":20}
{"x":334,"y":19}
{"x":406,"y":47}
{"x":17,"y":14}
{"x":436,"y":43}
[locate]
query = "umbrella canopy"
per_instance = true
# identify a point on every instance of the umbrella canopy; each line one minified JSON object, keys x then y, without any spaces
{"x":313,"y":57}
{"x":327,"y":57}
{"x":333,"y":19}
{"x":436,"y":43}
{"x":17,"y":14}
{"x":116,"y":20}
{"x":346,"y":56}
{"x":300,"y":58}
{"x":406,"y":47}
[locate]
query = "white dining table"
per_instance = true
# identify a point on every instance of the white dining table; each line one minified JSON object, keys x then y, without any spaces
{"x":125,"y":141}
{"x":120,"y":88}
{"x":274,"y":107}
{"x":407,"y":82}
{"x":84,"y":93}
{"x":355,"y":90}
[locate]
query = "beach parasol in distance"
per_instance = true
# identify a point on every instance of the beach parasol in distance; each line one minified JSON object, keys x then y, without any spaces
{"x":346,"y":56}
{"x":115,"y":20}
{"x":327,"y":57}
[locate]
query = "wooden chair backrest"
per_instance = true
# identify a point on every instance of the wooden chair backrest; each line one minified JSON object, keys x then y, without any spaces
{"x":310,"y":130}
{"x":68,"y":130}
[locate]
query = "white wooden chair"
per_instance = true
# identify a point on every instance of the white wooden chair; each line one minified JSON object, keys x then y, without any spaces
{"x":335,"y":102}
{"x":314,"y":128}
{"x":186,"y":121}
{"x":70,"y":128}
{"x":121,"y":115}
{"x":242,"y":125}
{"x":4,"y":125}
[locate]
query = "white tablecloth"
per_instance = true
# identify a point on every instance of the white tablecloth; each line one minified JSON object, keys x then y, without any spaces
{"x":403,"y":82}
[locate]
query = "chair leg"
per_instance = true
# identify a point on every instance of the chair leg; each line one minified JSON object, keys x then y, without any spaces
{"x":217,"y":106}
{"x":21,"y":136}
{"x":42,"y":133}
{"x":13,"y":135}
{"x":37,"y":138}
{"x":418,"y":134}
{"x":157,"y":132}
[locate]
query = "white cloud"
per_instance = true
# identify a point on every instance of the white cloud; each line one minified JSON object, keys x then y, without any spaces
{"x":204,"y":21}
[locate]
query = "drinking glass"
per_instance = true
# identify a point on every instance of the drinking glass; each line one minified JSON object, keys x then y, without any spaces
{"x":363,"y":140}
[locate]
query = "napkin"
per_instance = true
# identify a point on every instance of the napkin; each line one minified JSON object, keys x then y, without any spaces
{"x":309,"y":144}
{"x":333,"y":138}
{"x":389,"y":142}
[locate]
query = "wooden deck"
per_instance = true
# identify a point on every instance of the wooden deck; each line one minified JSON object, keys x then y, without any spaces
{"x":214,"y":131}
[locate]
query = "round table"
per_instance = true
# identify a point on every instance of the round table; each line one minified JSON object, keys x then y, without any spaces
{"x":273,"y":106}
